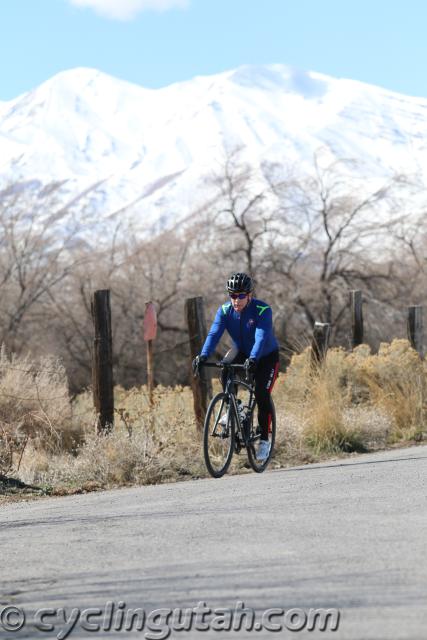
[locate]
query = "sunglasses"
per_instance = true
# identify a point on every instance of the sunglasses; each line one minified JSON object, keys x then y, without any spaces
{"x":238,"y":296}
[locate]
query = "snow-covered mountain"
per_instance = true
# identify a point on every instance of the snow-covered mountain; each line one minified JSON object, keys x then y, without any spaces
{"x":150,"y":150}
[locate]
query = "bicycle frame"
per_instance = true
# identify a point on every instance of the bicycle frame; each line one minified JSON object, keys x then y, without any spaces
{"x":241,"y":437}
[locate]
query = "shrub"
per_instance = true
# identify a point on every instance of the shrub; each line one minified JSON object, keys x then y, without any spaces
{"x":34,"y":404}
{"x":334,"y":402}
{"x":395,"y":381}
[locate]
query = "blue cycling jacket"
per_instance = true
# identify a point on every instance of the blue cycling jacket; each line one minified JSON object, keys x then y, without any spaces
{"x":251,"y":331}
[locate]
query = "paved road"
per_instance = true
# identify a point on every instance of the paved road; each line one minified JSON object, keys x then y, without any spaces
{"x":350,"y":535}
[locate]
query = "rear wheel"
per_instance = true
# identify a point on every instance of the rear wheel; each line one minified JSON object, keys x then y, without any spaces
{"x":255,"y":436}
{"x":218,"y":435}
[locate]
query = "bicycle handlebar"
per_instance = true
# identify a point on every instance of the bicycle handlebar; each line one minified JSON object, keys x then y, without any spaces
{"x":220,"y":365}
{"x":226,"y":365}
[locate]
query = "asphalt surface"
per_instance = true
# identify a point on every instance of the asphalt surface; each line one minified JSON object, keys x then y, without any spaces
{"x":349,"y":535}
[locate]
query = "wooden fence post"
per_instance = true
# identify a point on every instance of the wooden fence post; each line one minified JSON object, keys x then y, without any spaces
{"x":356,"y":302}
{"x":415,"y":328}
{"x":150,"y":332}
{"x":320,"y":342}
{"x":202,"y":387}
{"x":102,"y":364}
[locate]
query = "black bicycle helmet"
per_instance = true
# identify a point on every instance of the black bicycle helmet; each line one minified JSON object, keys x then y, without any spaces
{"x":239,"y":283}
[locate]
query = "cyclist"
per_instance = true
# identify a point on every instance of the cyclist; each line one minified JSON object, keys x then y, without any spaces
{"x":250,"y":325}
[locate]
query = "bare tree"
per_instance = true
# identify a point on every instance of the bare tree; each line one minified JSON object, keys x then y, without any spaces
{"x":336,"y":236}
{"x":38,"y":235}
{"x":135,"y":270}
{"x":243,"y":210}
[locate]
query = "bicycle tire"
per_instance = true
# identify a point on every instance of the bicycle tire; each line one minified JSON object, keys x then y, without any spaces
{"x":259,"y":467}
{"x":217,"y":449}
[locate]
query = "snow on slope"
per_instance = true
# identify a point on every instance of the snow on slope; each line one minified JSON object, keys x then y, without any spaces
{"x":154,"y":147}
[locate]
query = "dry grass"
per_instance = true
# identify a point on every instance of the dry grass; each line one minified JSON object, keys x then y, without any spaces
{"x":146,"y":446}
{"x":395,"y":381}
{"x":355,"y":402}
{"x":34,"y":405}
{"x":359,"y":401}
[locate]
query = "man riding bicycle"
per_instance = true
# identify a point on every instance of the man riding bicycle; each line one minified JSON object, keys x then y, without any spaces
{"x":249,"y":323}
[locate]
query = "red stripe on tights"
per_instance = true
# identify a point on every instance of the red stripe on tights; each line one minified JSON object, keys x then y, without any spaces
{"x":276,"y":372}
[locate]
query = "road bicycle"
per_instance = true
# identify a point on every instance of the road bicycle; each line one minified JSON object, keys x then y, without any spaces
{"x":230,"y":423}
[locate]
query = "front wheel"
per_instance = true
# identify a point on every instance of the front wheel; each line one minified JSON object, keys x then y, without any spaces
{"x":218,"y":435}
{"x":260,"y":466}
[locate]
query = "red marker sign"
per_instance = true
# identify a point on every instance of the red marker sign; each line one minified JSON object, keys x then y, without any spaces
{"x":150,"y":322}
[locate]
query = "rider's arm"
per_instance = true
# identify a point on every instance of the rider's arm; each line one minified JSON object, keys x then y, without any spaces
{"x":264,"y":328}
{"x":215,"y":333}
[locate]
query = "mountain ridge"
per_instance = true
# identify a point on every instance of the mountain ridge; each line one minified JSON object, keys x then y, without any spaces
{"x":88,"y":127}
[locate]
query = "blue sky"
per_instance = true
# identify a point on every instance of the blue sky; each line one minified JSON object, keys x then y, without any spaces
{"x":156,"y":42}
